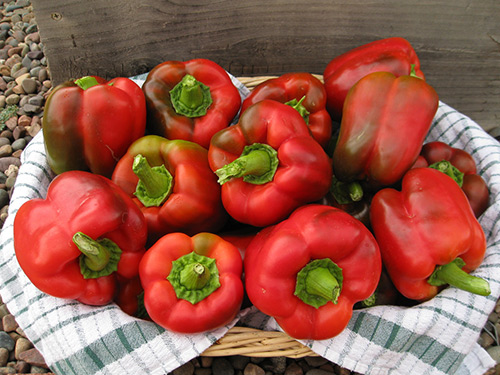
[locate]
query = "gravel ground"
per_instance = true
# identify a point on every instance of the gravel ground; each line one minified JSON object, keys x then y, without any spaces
{"x":24,"y":86}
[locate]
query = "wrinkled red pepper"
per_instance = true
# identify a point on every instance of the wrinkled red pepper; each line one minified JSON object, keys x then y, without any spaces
{"x":385,"y":121}
{"x":394,"y":55}
{"x":310,"y":269}
{"x":444,"y":157}
{"x":268,"y":164}
{"x":305,"y":93}
{"x":89,"y":123}
{"x":428,"y":235}
{"x":171,"y":181}
{"x":192,"y":284}
{"x":81,"y":239}
{"x":190,"y":100}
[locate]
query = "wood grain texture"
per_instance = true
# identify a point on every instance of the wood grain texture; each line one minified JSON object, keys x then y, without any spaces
{"x":458,"y":42}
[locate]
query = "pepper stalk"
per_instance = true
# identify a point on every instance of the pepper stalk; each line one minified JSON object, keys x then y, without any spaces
{"x":190,"y":97}
{"x":155,"y":183}
{"x":99,"y":257}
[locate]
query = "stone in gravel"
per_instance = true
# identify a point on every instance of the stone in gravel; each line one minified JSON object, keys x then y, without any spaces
{"x":318,"y":371}
{"x":202,"y":371}
{"x":315,"y":361}
{"x":29,"y":85}
{"x":4,"y":197}
{"x":38,"y":370}
{"x":3,"y":310}
{"x":22,"y":367}
{"x":186,"y":369}
{"x":35,"y":55}
{"x":7,"y":370}
{"x":33,"y":357}
{"x":10,"y":182}
{"x":9,"y":323}
{"x":4,"y":141}
{"x":22,"y":345}
{"x":222,"y":366}
{"x":294,"y":369}
{"x":36,"y":100}
{"x":4,"y":357}
{"x":18,"y":132}
{"x":7,"y":161}
{"x":12,"y":99}
{"x":6,"y":341}
{"x":30,"y":108}
{"x":24,"y":120}
{"x":239,"y":362}
{"x":19,"y":144}
{"x":494,"y":352}
{"x":206,"y":361}
{"x":5,"y":150}
{"x":253,"y":369}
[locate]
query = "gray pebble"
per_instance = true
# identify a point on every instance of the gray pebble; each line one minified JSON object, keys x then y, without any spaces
{"x":7,"y":370}
{"x":35,"y":55}
{"x":10,"y":182}
{"x":4,"y":141}
{"x":6,"y":341}
{"x":4,"y":357}
{"x":29,"y":85}
{"x":494,"y":352}
{"x":222,"y":366}
{"x":7,"y":161}
{"x":12,"y":99}
{"x":36,"y":100}
{"x":239,"y":362}
{"x":4,"y":197}
{"x":19,"y":144}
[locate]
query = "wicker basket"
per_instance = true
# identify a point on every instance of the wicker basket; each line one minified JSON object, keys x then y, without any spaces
{"x":253,"y":342}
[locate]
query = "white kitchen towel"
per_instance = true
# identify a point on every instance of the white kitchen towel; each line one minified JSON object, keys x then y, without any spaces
{"x":436,"y":337}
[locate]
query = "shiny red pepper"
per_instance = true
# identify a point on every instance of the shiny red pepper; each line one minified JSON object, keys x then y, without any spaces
{"x":268,"y":164}
{"x":89,"y":123}
{"x":172,"y":183}
{"x":310,"y":269}
{"x":81,"y":239}
{"x":190,"y":100}
{"x":394,"y":55}
{"x":386,"y":119}
{"x":428,"y":235}
{"x":438,"y":153}
{"x":192,"y":284}
{"x":302,"y":91}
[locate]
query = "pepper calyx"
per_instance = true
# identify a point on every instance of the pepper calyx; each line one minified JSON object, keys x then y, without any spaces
{"x":450,"y":170}
{"x":299,"y":107}
{"x":190,"y":97}
{"x":86,"y":82}
{"x":155,"y":183}
{"x":319,"y":282}
{"x":99,"y":258}
{"x":453,"y":274}
{"x":194,"y":277}
{"x":257,"y":164}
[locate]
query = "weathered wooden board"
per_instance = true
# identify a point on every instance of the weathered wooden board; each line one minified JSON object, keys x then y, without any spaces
{"x":458,"y":42}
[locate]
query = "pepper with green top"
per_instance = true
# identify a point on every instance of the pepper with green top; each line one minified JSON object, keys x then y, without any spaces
{"x":84,"y":238}
{"x":192,"y":284}
{"x":89,"y":123}
{"x":309,"y":270}
{"x":268,"y":164}
{"x":172,"y":183}
{"x":190,"y":100}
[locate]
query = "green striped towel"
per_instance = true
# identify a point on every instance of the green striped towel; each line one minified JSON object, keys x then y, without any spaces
{"x":436,"y":337}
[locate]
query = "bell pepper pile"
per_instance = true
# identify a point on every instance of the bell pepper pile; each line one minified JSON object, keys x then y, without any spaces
{"x":177,"y":200}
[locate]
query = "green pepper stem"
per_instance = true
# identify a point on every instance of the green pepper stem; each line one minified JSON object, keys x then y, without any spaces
{"x":299,"y":107}
{"x":346,"y":192}
{"x":86,"y":82}
{"x":99,"y":257}
{"x":155,"y":184}
{"x":96,"y":255}
{"x":190,"y":97}
{"x":319,"y":282}
{"x":453,"y":274}
{"x":355,"y":191}
{"x":194,"y":277}
{"x":450,"y":170}
{"x":257,"y":165}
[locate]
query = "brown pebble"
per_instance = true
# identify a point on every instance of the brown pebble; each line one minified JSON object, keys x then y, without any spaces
{"x":17,"y":153}
{"x":22,"y":345}
{"x":24,"y":120}
{"x":253,"y":369}
{"x":5,"y":150}
{"x":9,"y":323}
{"x":4,"y":356}
{"x":294,"y":369}
{"x":22,"y":367}
{"x":33,"y":357}
{"x":7,"y":161}
{"x":11,"y":123}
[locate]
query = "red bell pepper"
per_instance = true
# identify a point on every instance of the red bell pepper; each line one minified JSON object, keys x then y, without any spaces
{"x":190,"y":100}
{"x":78,"y":241}
{"x":192,"y":284}
{"x":130,"y":298}
{"x":305,"y":93}
{"x":268,"y":164}
{"x":460,"y":165}
{"x":310,"y":269}
{"x":394,"y":55}
{"x":89,"y":123}
{"x":385,"y":121}
{"x":428,"y":235}
{"x":171,"y":181}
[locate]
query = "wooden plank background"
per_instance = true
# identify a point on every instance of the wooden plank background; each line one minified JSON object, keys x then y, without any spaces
{"x":457,"y":41}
